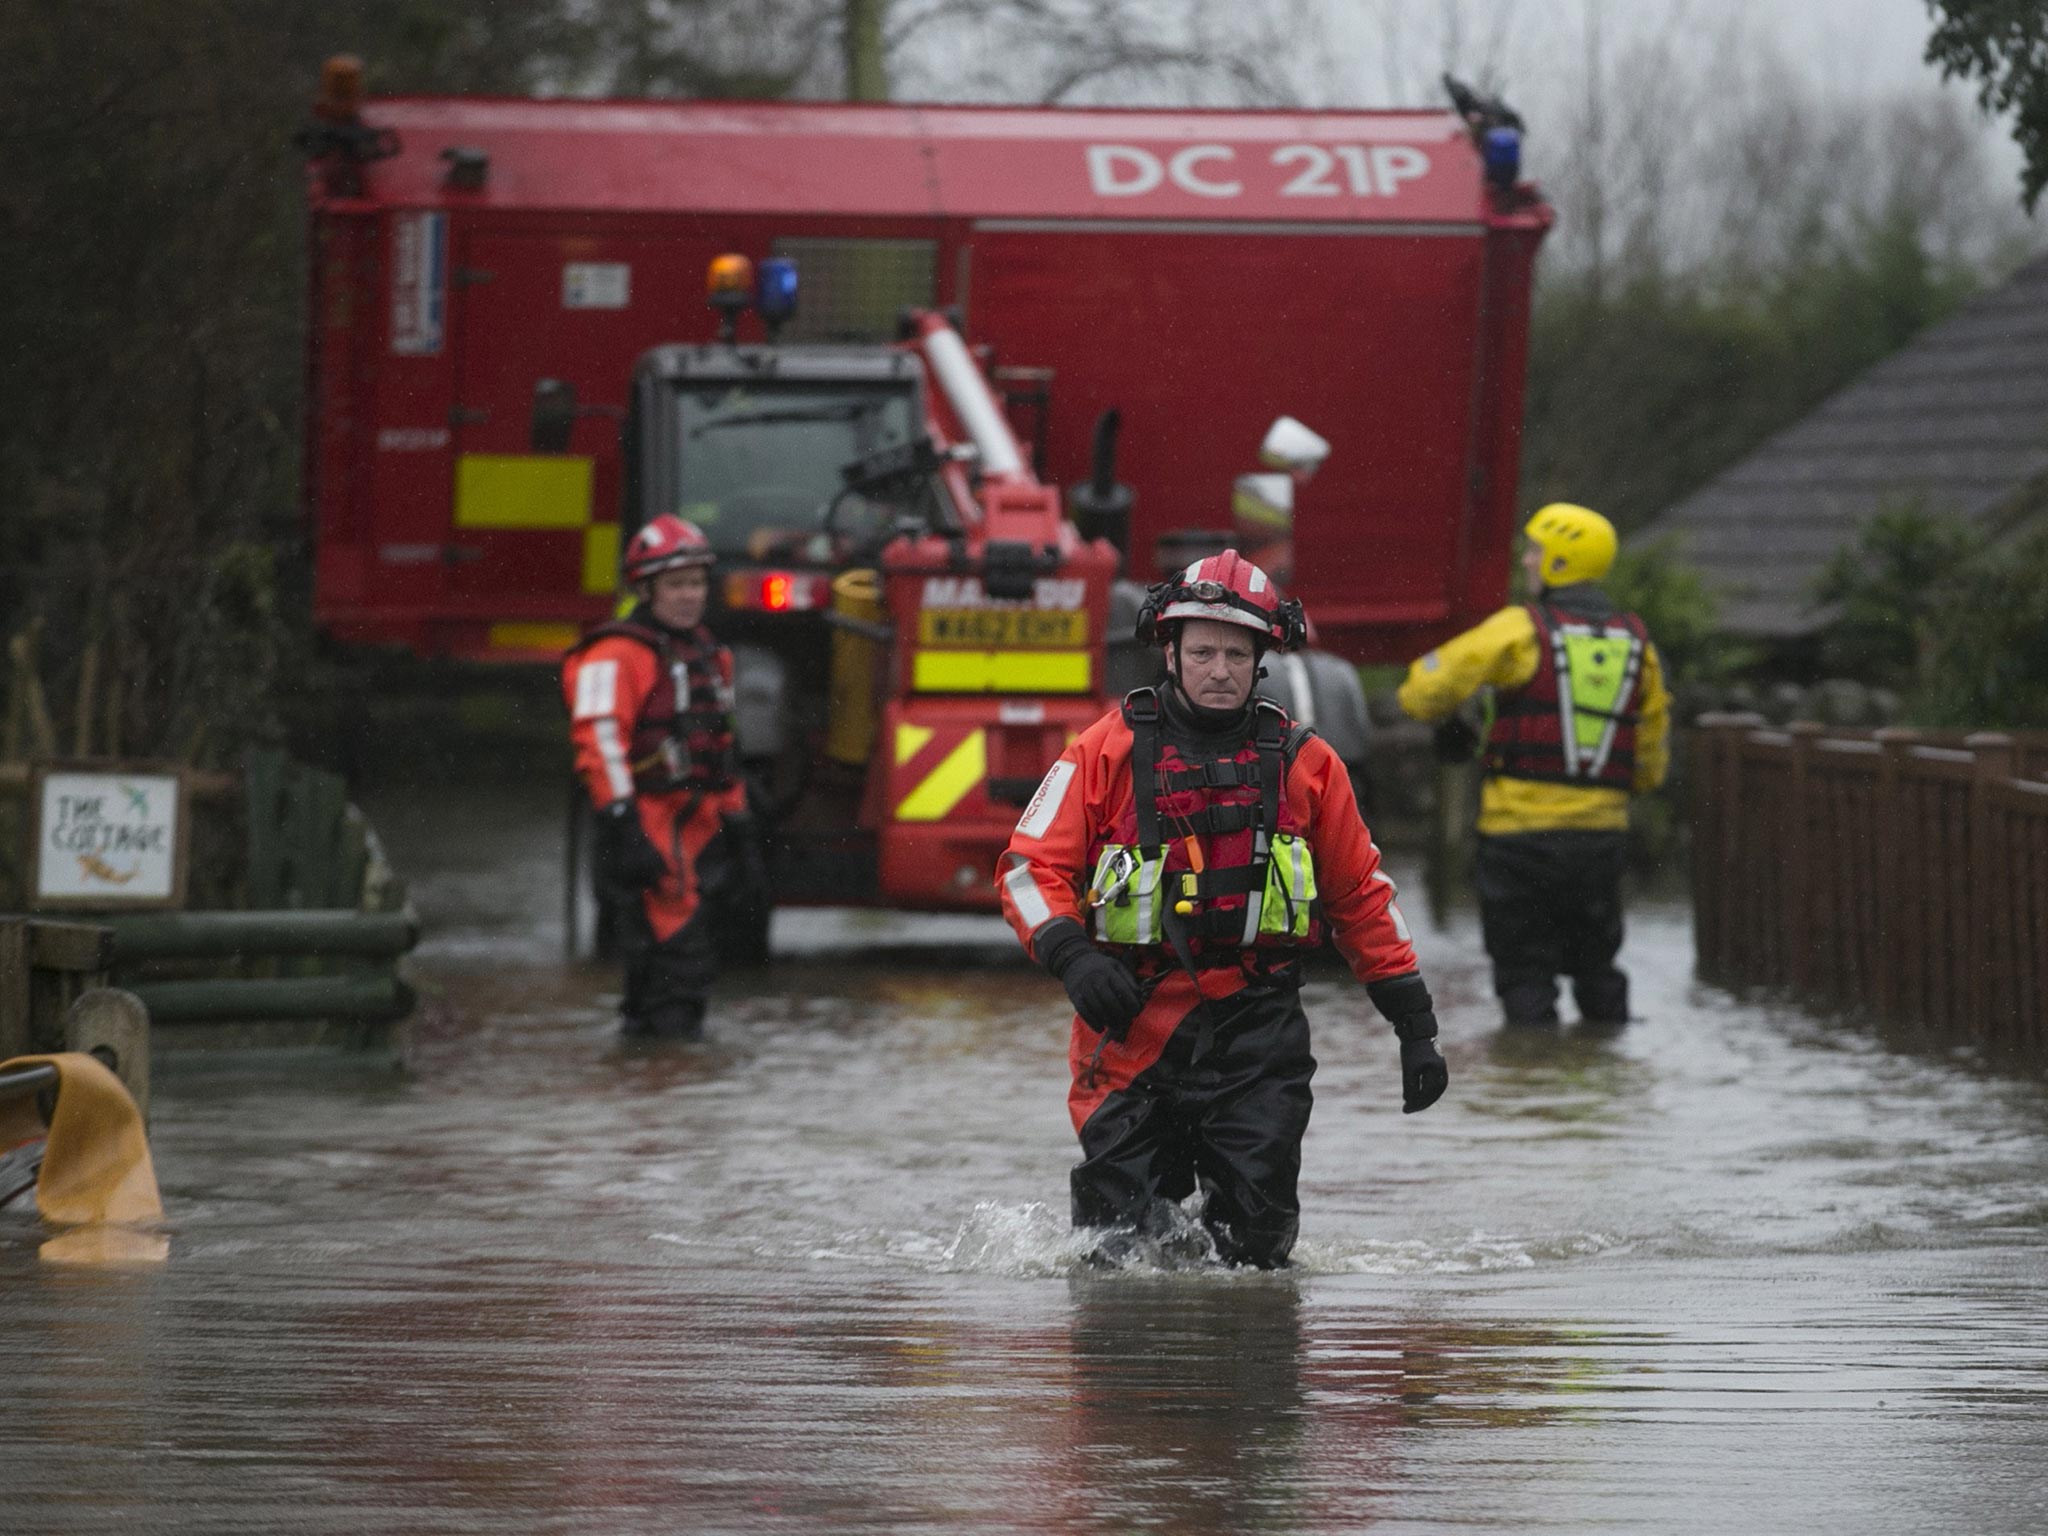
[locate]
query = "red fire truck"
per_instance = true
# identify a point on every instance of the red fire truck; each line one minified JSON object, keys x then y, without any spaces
{"x":512,"y":364}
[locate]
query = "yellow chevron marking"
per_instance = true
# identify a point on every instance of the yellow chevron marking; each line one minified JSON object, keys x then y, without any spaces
{"x":910,"y":740}
{"x":947,"y":785}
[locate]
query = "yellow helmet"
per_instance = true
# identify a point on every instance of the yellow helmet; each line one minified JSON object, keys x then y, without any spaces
{"x":1578,"y":544}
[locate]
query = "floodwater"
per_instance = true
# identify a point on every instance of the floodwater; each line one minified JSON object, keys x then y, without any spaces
{"x":1731,"y":1271}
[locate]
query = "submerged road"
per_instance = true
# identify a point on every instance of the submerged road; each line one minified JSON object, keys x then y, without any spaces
{"x":1733,"y":1270}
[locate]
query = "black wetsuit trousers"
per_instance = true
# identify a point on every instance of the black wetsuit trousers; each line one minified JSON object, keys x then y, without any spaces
{"x":1550,"y":906}
{"x":1223,"y":1110}
{"x":666,"y":979}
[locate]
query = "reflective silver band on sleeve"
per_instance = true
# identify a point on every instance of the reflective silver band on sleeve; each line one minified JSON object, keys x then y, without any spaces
{"x":617,"y":777}
{"x":1393,"y":906}
{"x":1027,"y":898}
{"x":597,"y":687}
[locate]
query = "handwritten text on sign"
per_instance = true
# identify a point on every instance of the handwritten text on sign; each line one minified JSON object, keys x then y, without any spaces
{"x":112,"y":835}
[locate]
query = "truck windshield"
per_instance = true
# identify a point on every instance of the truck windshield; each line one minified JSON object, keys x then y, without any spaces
{"x":760,"y":462}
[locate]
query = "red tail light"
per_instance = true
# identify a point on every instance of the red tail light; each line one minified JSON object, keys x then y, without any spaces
{"x":778,"y":591}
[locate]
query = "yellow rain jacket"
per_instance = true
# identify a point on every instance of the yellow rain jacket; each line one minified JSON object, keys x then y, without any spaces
{"x":1501,"y":652}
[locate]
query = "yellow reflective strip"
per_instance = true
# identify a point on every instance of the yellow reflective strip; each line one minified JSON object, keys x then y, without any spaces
{"x":518,"y":490}
{"x":1000,"y":671}
{"x":947,"y":785}
{"x":601,"y":557}
{"x":910,"y":740}
{"x":531,"y":637}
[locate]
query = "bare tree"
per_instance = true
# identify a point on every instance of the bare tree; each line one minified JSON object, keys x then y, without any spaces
{"x":1208,"y":52}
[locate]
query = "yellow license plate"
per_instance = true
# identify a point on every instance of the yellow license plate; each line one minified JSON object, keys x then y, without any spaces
{"x":1002,"y":626}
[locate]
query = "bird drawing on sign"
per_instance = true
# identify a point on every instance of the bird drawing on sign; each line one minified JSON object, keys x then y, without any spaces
{"x":138,"y":799}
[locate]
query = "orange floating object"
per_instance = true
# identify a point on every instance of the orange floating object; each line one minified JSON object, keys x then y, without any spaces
{"x":96,"y":1170}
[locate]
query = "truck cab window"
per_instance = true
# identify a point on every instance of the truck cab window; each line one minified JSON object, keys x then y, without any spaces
{"x":759,"y":464}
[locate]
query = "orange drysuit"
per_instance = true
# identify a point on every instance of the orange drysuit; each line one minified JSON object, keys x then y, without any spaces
{"x":1045,"y":872}
{"x":650,"y":717}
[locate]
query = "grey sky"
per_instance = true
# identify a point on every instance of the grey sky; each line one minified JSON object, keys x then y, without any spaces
{"x":1842,"y":48}
{"x":1666,"y":97}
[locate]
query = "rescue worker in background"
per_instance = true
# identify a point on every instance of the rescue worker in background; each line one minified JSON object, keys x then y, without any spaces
{"x":1176,"y":864}
{"x":1579,"y":722}
{"x":651,"y":713}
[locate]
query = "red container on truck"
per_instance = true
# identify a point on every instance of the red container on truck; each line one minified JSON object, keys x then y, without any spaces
{"x":1201,"y":272}
{"x":512,"y":364}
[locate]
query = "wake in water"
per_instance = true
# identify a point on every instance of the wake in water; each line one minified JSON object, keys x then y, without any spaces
{"x":1034,"y":1241}
{"x":1022,"y":1241}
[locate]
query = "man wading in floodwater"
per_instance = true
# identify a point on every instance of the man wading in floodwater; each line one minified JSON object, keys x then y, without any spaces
{"x":1580,"y":720}
{"x":651,"y":711}
{"x":1176,"y":863}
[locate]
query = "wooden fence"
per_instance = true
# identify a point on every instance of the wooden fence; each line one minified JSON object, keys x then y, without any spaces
{"x":1894,"y":873}
{"x":292,"y":918}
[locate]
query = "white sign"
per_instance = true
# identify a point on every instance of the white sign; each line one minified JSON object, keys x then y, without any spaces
{"x":596,"y":285}
{"x":108,"y":837}
{"x":419,"y":282}
{"x":968,"y":592}
{"x":1292,"y":170}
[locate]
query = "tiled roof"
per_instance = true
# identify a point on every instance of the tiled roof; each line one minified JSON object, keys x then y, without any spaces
{"x":1957,"y":420}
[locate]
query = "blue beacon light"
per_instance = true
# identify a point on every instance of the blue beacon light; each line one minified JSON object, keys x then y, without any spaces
{"x":775,"y":294}
{"x":1501,"y":149}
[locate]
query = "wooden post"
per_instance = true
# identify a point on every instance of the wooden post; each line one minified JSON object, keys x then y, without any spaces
{"x":1451,"y":839}
{"x":114,"y":1026}
{"x":44,"y":966}
{"x":1895,"y":745}
{"x":14,"y":988}
{"x":65,"y":959}
{"x":1991,"y":893}
{"x":1704,"y":815}
{"x":1714,"y":735}
{"x":1717,"y":865}
{"x":1800,"y":876}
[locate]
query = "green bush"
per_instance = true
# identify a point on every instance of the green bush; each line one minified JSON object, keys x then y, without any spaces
{"x":1651,"y":581}
{"x":1958,"y":623}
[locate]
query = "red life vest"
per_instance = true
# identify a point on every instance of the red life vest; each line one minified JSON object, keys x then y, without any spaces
{"x":683,"y":736}
{"x":1216,"y":821}
{"x":1574,"y":724}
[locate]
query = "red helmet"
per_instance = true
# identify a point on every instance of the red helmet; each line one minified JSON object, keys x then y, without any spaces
{"x":666,"y":544}
{"x":1229,"y":589}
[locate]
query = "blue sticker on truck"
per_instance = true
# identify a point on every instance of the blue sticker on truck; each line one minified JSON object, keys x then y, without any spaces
{"x":419,"y":282}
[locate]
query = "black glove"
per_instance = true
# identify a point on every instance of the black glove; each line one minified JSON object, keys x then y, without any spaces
{"x":1104,"y":992}
{"x":623,"y":857}
{"x":1455,"y":739}
{"x":1405,"y":1003}
{"x":1424,"y":1077}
